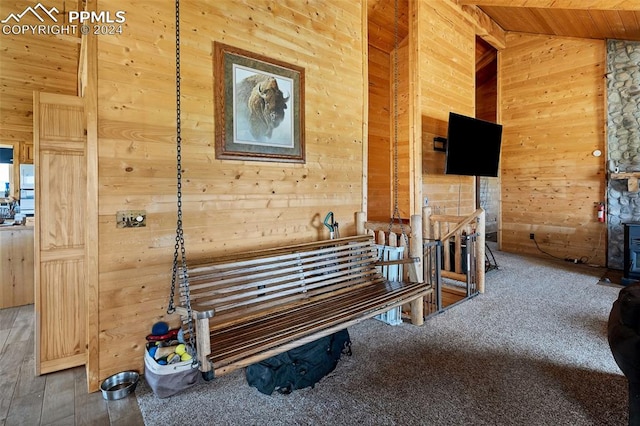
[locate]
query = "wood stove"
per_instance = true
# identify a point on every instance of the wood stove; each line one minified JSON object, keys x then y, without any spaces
{"x":631,"y":253}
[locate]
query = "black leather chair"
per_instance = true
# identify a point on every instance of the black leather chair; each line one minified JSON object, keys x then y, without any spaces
{"x":624,"y":341}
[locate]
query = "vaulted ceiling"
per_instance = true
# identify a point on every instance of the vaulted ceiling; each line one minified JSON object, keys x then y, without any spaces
{"x":597,"y":19}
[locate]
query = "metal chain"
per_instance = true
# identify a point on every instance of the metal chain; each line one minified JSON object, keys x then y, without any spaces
{"x":180,"y":250}
{"x":179,"y":235}
{"x":396,"y":78}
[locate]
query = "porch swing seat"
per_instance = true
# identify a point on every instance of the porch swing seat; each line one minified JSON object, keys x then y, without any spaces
{"x":254,"y":305}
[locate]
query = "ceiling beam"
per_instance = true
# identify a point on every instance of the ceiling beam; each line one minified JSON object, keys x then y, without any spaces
{"x":486,"y":27}
{"x":558,"y":4}
{"x":484,"y":60}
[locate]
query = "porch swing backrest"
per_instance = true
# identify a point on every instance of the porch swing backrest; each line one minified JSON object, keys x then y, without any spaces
{"x":250,"y":306}
{"x":253,"y":283}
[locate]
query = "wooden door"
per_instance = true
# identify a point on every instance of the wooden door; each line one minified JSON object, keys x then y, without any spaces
{"x":60,"y":171}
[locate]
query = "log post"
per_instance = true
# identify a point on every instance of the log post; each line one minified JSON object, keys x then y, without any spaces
{"x":204,"y":346}
{"x":415,"y":249}
{"x":427,"y":235}
{"x":361,"y":219}
{"x":417,"y":311}
{"x":203,"y":342}
{"x":457,"y":259}
{"x":426,"y":223}
{"x":446,"y":248}
{"x":480,"y":251}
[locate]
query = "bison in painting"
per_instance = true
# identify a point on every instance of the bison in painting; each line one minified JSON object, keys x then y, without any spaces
{"x":261,"y":105}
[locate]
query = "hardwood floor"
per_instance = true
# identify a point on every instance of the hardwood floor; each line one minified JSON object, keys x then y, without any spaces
{"x":59,"y":398}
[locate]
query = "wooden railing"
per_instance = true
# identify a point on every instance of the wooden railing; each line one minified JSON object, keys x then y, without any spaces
{"x":452,"y":231}
{"x":410,"y":239}
{"x":441,"y":248}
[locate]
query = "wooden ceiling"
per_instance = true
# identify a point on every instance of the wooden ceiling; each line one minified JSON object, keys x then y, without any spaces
{"x":381,"y":20}
{"x":596,"y":19}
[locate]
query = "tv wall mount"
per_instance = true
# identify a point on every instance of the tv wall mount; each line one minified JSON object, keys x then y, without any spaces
{"x":440,"y":144}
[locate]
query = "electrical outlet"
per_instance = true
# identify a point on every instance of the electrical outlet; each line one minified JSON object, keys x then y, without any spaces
{"x":131,"y":219}
{"x":532,"y":236}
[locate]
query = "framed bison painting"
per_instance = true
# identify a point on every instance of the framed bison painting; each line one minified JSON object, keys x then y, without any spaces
{"x":259,"y":107}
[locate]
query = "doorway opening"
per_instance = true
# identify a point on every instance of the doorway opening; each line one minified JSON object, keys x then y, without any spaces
{"x":487,"y":188}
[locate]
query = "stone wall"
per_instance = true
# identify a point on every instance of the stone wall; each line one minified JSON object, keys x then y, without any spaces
{"x":623,"y":122}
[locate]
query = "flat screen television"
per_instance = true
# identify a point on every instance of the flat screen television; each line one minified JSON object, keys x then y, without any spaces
{"x":473,"y":146}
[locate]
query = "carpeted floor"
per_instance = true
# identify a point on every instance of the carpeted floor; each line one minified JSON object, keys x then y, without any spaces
{"x":531,"y":350}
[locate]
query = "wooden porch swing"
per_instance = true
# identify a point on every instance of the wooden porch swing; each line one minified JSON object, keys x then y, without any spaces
{"x":243,"y":308}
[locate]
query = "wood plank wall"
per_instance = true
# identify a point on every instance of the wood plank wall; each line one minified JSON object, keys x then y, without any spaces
{"x":379,"y":165}
{"x":447,"y":83}
{"x":549,"y":177}
{"x":486,"y":100}
{"x":382,"y":118}
{"x":404,"y":185}
{"x":229,"y":205}
{"x":552,"y":109}
{"x":31,"y":62}
{"x":16,"y":263}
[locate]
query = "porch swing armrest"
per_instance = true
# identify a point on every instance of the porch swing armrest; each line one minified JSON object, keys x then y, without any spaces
{"x":398,"y":261}
{"x":203,"y":344}
{"x":210,"y":313}
{"x":414,"y":262}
